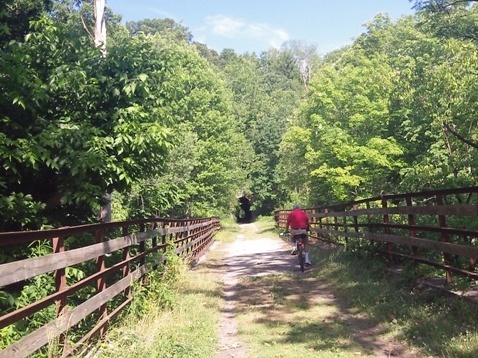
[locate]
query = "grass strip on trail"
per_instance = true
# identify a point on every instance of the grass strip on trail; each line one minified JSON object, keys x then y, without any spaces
{"x":350,"y":305}
{"x":347,"y":305}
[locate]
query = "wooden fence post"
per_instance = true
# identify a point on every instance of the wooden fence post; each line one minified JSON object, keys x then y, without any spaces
{"x":326,"y":212}
{"x":411,"y":223}
{"x":58,"y":244}
{"x":356,"y":228}
{"x":142,"y":249}
{"x":444,"y":238}
{"x":154,"y":242}
{"x":345,"y":233}
{"x":472,"y":260}
{"x":127,"y":267}
{"x":60,"y":275}
{"x":386,"y":222}
{"x":314,"y":222}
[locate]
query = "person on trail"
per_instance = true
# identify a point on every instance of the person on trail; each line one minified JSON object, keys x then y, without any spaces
{"x":298,"y":222}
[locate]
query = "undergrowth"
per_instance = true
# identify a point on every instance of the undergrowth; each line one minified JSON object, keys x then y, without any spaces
{"x":437,"y":325}
{"x":174,"y":314}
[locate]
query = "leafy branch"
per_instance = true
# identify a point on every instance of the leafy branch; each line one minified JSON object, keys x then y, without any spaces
{"x":459,"y":136}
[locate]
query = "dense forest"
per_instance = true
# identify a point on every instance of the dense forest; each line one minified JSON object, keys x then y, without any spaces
{"x":165,"y":126}
{"x":140,"y":116}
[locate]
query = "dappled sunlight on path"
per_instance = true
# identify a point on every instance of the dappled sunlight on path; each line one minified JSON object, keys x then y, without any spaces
{"x":283,"y":311}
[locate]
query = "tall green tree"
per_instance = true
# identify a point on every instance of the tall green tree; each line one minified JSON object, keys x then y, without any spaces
{"x":393,"y":112}
{"x":266,"y":91}
{"x":62,"y":148}
{"x":15,"y":17}
{"x":204,"y":171}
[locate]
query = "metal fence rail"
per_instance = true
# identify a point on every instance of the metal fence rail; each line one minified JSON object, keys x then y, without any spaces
{"x":118,"y":254}
{"x":437,"y":228}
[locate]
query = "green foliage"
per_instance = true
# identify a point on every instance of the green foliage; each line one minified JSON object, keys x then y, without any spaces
{"x":159,"y":287}
{"x":15,"y":17}
{"x":200,"y":176}
{"x":393,"y":112}
{"x":266,"y":91}
{"x":63,"y":149}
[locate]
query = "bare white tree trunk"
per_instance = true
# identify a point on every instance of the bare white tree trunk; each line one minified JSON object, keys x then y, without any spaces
{"x":100,"y":41}
{"x":100,"y":25}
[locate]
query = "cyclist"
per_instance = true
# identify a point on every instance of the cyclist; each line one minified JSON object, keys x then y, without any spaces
{"x":298,"y":222}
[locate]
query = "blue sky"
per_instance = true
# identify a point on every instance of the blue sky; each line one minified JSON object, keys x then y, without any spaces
{"x":257,"y":25}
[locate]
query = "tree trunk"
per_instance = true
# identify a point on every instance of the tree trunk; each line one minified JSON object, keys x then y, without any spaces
{"x":100,"y":25}
{"x":100,"y":41}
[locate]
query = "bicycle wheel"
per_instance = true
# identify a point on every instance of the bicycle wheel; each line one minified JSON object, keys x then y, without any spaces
{"x":301,"y":258}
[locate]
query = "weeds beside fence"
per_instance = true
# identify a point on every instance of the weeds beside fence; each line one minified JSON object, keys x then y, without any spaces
{"x":438,"y":228}
{"x":81,"y":277}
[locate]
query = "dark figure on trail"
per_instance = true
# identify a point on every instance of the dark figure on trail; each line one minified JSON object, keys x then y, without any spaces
{"x":245,"y":205}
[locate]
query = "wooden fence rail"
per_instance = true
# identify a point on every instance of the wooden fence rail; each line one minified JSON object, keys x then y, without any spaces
{"x":118,"y":254}
{"x":437,"y":228}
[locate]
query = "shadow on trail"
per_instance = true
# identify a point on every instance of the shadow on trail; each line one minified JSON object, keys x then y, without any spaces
{"x":298,"y":308}
{"x":272,"y":262}
{"x":285,"y":310}
{"x":292,"y":304}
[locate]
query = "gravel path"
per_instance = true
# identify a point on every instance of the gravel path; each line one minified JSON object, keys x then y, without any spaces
{"x":256,"y":255}
{"x":246,"y":258}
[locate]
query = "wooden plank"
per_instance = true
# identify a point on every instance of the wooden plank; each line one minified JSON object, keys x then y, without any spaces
{"x":40,"y":337}
{"x":180,"y":229}
{"x":101,"y":324}
{"x":18,"y":237}
{"x":449,"y":230}
{"x":449,"y":210}
{"x":183,"y":248}
{"x":456,"y":249}
{"x":24,"y":312}
{"x":459,"y":271}
{"x":24,"y":269}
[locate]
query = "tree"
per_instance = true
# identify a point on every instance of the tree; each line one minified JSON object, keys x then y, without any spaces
{"x":15,"y":17}
{"x":205,"y":170}
{"x":63,"y":149}
{"x":440,"y":5}
{"x":307,"y":58}
{"x":350,"y":151}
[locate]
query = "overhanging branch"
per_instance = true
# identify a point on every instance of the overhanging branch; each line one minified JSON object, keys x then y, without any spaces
{"x":460,"y":137}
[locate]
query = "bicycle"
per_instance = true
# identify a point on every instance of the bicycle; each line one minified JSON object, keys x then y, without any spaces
{"x":300,"y":239}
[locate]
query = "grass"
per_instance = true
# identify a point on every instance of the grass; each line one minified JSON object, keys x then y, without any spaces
{"x":348,"y":303}
{"x":173,"y":316}
{"x":342,"y":307}
{"x":423,"y":318}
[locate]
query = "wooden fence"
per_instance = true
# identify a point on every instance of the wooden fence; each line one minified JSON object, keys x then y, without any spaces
{"x":117,"y":255}
{"x":437,"y":228}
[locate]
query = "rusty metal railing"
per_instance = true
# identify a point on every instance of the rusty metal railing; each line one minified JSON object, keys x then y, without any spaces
{"x":437,"y":228}
{"x":119,"y":253}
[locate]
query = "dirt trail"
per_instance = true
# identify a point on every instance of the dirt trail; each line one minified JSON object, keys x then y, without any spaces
{"x":245,"y":258}
{"x":256,"y":255}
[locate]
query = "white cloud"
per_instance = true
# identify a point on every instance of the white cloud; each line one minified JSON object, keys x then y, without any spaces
{"x":224,"y":26}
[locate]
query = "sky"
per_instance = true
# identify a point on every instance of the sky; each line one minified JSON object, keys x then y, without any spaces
{"x":258,"y":25}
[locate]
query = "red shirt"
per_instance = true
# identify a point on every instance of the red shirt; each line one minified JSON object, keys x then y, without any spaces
{"x":298,"y":219}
